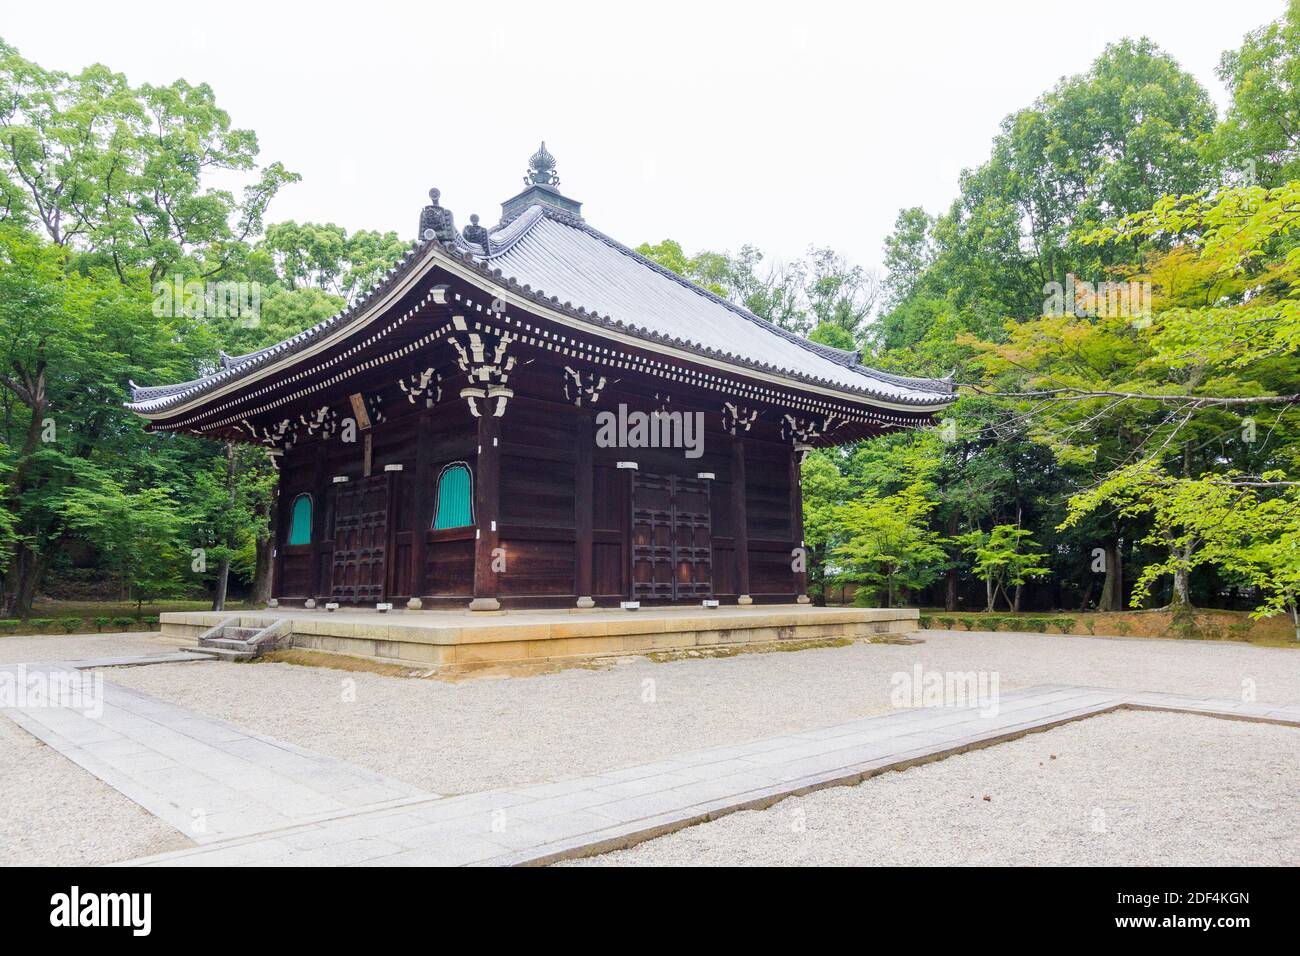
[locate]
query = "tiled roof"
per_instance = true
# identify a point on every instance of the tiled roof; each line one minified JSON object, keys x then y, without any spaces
{"x":565,"y":265}
{"x":562,"y":255}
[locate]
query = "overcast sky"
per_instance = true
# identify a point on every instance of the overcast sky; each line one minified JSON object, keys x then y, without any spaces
{"x":714,"y":124}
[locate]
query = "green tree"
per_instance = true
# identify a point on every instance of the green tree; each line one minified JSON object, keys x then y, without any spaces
{"x":886,"y":543}
{"x":1004,"y":557}
{"x":141,"y":535}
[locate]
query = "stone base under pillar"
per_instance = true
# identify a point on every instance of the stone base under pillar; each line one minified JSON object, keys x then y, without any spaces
{"x":485,"y":604}
{"x":803,"y":599}
{"x":744,"y":599}
{"x":586,"y":602}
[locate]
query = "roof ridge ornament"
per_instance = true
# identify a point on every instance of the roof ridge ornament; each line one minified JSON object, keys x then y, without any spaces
{"x":435,"y":221}
{"x":541,"y":168}
{"x":475,"y":233}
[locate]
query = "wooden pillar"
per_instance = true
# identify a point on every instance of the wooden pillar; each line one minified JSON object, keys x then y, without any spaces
{"x":796,"y":522}
{"x":583,"y":503}
{"x":426,"y":493}
{"x":487,"y":511}
{"x":740,"y":519}
{"x":280,"y":536}
{"x":319,"y":519}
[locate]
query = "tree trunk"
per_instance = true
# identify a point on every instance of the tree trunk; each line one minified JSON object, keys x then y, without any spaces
{"x":991,"y":592}
{"x":1182,"y":596}
{"x":264,"y":562}
{"x":1111,"y":597}
{"x":27,"y":566}
{"x":950,"y":576}
{"x":28,"y":570}
{"x":223,"y":579}
{"x":1015,"y":605}
{"x":223,"y":568}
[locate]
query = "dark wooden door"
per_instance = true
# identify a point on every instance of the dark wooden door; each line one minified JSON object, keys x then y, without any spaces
{"x":360,"y":539}
{"x":671,"y":538}
{"x":692,"y":539}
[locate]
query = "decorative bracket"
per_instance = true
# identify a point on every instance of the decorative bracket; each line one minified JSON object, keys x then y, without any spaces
{"x":324,"y":420}
{"x":804,"y":431}
{"x":734,"y":418}
{"x":427,"y":384}
{"x":582,"y":386}
{"x":481,"y":355}
{"x":280,"y":435}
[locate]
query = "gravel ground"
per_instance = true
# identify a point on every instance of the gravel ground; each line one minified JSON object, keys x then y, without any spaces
{"x":1124,"y":789}
{"x":53,"y":813}
{"x":492,"y":732}
{"x":26,"y":650}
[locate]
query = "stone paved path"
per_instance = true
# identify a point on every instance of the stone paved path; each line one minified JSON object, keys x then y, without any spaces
{"x":550,"y":821}
{"x":247,"y":799}
{"x":208,"y":779}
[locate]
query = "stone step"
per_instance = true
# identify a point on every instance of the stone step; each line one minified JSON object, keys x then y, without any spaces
{"x":241,"y":633}
{"x":226,"y":653}
{"x":228,"y":643}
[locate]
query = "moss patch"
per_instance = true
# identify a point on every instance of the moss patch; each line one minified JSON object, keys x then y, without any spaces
{"x":693,"y":653}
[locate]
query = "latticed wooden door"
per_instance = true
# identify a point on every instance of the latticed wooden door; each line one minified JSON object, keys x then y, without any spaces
{"x":360,"y":539}
{"x":671,"y":539}
{"x":692,"y":539}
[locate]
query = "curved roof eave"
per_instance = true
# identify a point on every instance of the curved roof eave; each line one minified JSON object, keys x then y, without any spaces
{"x":160,"y":402}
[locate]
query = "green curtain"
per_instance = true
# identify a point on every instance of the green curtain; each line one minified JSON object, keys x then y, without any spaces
{"x":454,"y":499}
{"x":300,"y":525}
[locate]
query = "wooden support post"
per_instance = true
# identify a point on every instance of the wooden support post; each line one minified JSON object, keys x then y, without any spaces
{"x":426,"y":493}
{"x":487,"y":511}
{"x":740,"y":520}
{"x":319,"y":587}
{"x":796,"y":524}
{"x":583,"y":502}
{"x":280,"y":536}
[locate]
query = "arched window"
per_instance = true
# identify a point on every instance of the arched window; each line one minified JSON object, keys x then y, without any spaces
{"x":455,"y":508}
{"x":300,"y":520}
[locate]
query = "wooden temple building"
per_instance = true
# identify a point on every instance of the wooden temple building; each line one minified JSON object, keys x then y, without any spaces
{"x":507,"y":419}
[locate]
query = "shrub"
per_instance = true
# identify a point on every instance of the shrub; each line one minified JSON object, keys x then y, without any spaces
{"x":123,"y":623}
{"x":924,"y":622}
{"x":993,"y":621}
{"x":153,"y":622}
{"x":39,"y":624}
{"x":970,"y":622}
{"x":8,"y":627}
{"x":1120,"y":627}
{"x":1038,"y":624}
{"x":947,"y":623}
{"x":101,"y":622}
{"x":70,"y":625}
{"x":1062,"y":624}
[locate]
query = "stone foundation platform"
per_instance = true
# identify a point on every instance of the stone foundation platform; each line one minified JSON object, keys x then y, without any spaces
{"x":460,"y":640}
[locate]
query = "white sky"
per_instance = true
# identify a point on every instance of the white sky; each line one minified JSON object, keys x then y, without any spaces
{"x":711,"y":123}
